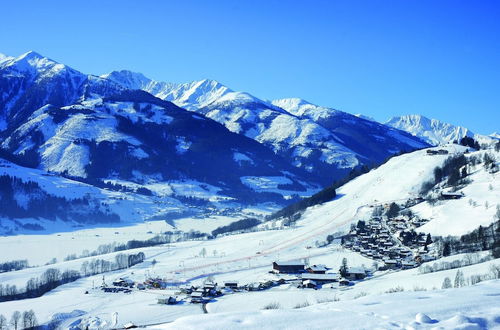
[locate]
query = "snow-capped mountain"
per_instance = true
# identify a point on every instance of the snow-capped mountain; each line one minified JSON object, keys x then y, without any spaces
{"x":369,"y":139}
{"x":30,"y":81}
{"x":94,"y":130}
{"x":433,"y":131}
{"x":189,"y":96}
{"x":321,"y":140}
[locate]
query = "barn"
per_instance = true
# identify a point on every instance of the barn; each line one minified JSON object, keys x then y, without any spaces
{"x":288,"y":267}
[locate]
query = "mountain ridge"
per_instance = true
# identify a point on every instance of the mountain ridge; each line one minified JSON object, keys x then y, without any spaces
{"x":433,"y":131}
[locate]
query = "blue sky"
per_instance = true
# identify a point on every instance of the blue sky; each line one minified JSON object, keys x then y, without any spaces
{"x":379,"y":58}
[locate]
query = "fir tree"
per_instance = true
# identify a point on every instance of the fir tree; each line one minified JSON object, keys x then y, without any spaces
{"x":344,"y":269}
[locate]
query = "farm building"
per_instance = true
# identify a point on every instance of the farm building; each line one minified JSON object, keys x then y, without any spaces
{"x":355,"y":273}
{"x":320,"y":278}
{"x":288,"y":267}
{"x":451,"y":195}
{"x":316,"y":269}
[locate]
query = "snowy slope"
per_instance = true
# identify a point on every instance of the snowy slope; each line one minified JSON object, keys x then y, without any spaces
{"x":365,"y":136}
{"x":433,"y":131}
{"x":466,"y":308}
{"x":235,"y":257}
{"x":481,"y":197}
{"x":130,"y":207}
{"x":325,"y":142}
{"x":59,"y":120}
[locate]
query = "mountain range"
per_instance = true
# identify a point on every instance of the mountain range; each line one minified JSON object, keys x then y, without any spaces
{"x":435,"y":132}
{"x":138,"y":137}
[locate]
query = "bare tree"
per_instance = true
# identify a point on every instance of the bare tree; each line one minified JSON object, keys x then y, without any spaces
{"x":446,"y":283}
{"x":121,"y":261}
{"x":84,"y":268}
{"x":29,"y":319}
{"x":3,"y":322}
{"x":14,"y":320}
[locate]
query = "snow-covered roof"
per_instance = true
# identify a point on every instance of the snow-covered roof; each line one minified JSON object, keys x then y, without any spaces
{"x":356,"y":270}
{"x":324,"y":277}
{"x":318,"y":268}
{"x":289,"y":263}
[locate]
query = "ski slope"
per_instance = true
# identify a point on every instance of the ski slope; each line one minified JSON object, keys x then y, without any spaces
{"x":248,"y":257}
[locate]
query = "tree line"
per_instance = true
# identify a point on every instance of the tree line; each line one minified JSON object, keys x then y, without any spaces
{"x":480,"y":239}
{"x":53,"y":277}
{"x":242,"y":224}
{"x":45,"y":205}
{"x":13,"y":265}
{"x":18,"y":320}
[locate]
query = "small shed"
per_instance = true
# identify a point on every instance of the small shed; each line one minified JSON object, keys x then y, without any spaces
{"x":309,"y":284}
{"x":231,"y":284}
{"x":167,"y":300}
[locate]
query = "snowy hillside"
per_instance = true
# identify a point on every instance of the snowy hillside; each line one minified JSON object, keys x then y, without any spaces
{"x":325,"y":142}
{"x":247,"y":258}
{"x":433,"y":131}
{"x":94,"y":130}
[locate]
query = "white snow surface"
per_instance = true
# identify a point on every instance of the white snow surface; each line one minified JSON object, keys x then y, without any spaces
{"x":247,"y":258}
{"x":465,"y":308}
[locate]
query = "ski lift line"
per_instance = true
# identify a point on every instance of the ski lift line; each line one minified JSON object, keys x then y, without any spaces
{"x":280,"y":247}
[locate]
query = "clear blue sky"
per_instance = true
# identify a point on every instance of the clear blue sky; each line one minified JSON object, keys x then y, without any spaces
{"x":380,"y":58}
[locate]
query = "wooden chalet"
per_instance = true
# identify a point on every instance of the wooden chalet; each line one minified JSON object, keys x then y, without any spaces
{"x":355,"y":273}
{"x":320,"y":278}
{"x":317,"y":269}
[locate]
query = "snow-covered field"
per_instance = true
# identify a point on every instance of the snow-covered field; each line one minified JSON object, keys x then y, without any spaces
{"x":465,"y":308}
{"x":247,"y":258}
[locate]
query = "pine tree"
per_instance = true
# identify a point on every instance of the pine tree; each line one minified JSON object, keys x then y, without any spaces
{"x":464,"y":172}
{"x":446,"y":249}
{"x":344,"y":268}
{"x":393,"y":210}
